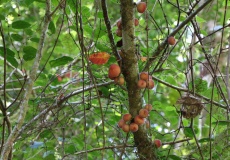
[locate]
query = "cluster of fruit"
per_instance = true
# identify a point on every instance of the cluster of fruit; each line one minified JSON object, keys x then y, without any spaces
{"x":141,"y":7}
{"x":115,"y":74}
{"x":128,"y":123}
{"x":145,"y":81}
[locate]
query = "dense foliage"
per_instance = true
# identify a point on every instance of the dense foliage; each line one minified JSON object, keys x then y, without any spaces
{"x":73,"y":107}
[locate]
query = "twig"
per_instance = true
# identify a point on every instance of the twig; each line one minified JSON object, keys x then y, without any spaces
{"x":29,"y":84}
{"x":175,"y":142}
{"x":108,"y":26}
{"x":59,"y":103}
{"x":186,"y":90}
{"x":102,"y":148}
{"x":161,"y":47}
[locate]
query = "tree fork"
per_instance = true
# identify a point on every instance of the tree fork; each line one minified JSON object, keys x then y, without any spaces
{"x":130,"y":71}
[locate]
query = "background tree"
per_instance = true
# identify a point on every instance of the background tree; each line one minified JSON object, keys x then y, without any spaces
{"x":60,"y":100}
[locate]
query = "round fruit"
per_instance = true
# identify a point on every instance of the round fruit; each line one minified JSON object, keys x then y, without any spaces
{"x":119,"y":24}
{"x":125,"y":128}
{"x":141,"y":7}
{"x":139,"y":120}
{"x":150,"y":84}
{"x":120,"y":123}
{"x":114,"y":71}
{"x":119,"y":32}
{"x":127,"y":117}
{"x":136,"y":22}
{"x":149,"y":107}
{"x":171,"y":40}
{"x":144,"y":76}
{"x":157,"y":143}
{"x":141,"y":84}
{"x":143,"y":113}
{"x":133,"y":127}
{"x":119,"y":80}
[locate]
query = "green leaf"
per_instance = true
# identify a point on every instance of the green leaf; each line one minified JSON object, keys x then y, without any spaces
{"x":17,"y":37}
{"x":70,"y":149}
{"x":60,"y":61}
{"x":105,"y":91}
{"x":200,"y":20}
{"x":9,"y":57}
{"x":202,"y":140}
{"x":2,"y":17}
{"x":28,"y":2}
{"x":52,"y":27}
{"x":188,"y":132}
{"x":221,"y":123}
{"x":20,"y":24}
{"x":170,"y":108}
{"x":199,"y":84}
{"x":46,"y":134}
{"x":30,"y":53}
{"x":35,"y":39}
{"x":174,"y":157}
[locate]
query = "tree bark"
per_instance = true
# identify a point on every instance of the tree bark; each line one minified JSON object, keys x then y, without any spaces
{"x":130,"y":71}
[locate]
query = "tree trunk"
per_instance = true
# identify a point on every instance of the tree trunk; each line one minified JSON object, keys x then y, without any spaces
{"x":130,"y":71}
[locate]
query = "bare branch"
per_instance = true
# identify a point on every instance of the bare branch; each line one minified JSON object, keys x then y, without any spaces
{"x":29,"y":84}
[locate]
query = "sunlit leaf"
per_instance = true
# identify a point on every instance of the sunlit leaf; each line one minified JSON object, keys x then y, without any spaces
{"x":60,"y":61}
{"x":99,"y":58}
{"x":202,"y":140}
{"x":200,"y":20}
{"x":20,"y":24}
{"x":221,"y":123}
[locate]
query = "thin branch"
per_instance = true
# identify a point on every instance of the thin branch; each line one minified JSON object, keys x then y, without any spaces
{"x":161,"y":47}
{"x":103,"y":148}
{"x":59,"y":103}
{"x":175,"y":142}
{"x":29,"y":84}
{"x":108,"y":26}
{"x":186,"y":90}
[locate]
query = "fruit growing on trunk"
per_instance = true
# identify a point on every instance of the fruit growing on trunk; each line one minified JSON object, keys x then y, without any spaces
{"x":144,"y":76}
{"x":119,"y":24}
{"x":141,"y":7}
{"x":157,"y":143}
{"x":127,"y":117}
{"x":136,"y":22}
{"x":149,"y":107}
{"x":125,"y":128}
{"x":114,"y":71}
{"x":171,"y":40}
{"x":141,"y":84}
{"x":119,"y":80}
{"x":139,"y":120}
{"x":120,"y":123}
{"x":143,"y":113}
{"x":133,"y":127}
{"x":150,"y":84}
{"x":119,"y":32}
